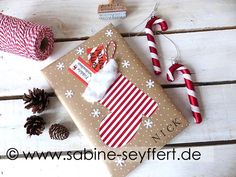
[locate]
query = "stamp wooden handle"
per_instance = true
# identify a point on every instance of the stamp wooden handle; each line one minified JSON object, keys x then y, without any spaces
{"x":111,"y":1}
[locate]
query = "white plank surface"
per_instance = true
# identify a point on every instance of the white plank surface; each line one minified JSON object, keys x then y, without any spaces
{"x":217,"y":102}
{"x":23,"y":73}
{"x":217,"y":161}
{"x":68,"y":18}
{"x":209,"y":55}
{"x":13,"y":117}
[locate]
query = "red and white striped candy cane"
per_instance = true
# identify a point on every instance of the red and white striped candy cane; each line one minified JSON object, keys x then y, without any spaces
{"x":190,"y":88}
{"x":151,"y":41}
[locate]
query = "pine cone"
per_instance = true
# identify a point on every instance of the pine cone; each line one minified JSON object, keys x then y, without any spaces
{"x":34,"y":125}
{"x":58,"y":132}
{"x":36,"y":99}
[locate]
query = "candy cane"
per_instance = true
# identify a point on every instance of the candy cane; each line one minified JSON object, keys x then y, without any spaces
{"x":190,"y":88}
{"x":152,"y":43}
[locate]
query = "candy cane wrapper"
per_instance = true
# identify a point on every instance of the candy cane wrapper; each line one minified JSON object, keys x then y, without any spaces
{"x":157,"y":119}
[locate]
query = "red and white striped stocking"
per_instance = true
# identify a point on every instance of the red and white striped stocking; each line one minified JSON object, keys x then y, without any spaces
{"x":128,"y":104}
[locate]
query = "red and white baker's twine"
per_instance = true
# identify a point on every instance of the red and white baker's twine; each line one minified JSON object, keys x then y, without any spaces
{"x":190,"y":88}
{"x":151,"y":41}
{"x":112,"y":45}
{"x":25,"y":38}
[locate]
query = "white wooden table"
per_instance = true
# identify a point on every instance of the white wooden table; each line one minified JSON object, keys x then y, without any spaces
{"x":205,"y":32}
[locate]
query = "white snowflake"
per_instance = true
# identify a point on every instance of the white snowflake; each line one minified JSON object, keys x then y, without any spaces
{"x":60,"y":66}
{"x":119,"y":162}
{"x":148,"y":123}
{"x":80,"y":51}
{"x":109,"y":33}
{"x":150,"y":83}
{"x":125,"y":64}
{"x":95,"y":113}
{"x":69,"y":93}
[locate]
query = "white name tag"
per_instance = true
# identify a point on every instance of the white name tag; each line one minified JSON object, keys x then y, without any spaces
{"x":82,"y":70}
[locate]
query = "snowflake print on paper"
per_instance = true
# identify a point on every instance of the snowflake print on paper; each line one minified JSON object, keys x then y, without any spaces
{"x":60,"y":66}
{"x":150,"y":83}
{"x":148,"y":123}
{"x":69,"y":93}
{"x":80,"y":51}
{"x":109,"y":33}
{"x":125,"y":64}
{"x":95,"y":113}
{"x":119,"y":162}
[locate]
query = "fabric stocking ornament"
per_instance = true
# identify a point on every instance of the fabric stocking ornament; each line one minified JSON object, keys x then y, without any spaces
{"x":190,"y":88}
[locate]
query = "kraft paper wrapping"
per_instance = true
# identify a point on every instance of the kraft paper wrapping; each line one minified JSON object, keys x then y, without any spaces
{"x":167,"y":121}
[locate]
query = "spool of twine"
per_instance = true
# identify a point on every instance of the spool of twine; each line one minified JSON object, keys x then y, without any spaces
{"x":25,"y":38}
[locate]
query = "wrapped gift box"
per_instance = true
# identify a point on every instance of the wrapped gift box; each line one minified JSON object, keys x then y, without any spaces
{"x":153,"y":120}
